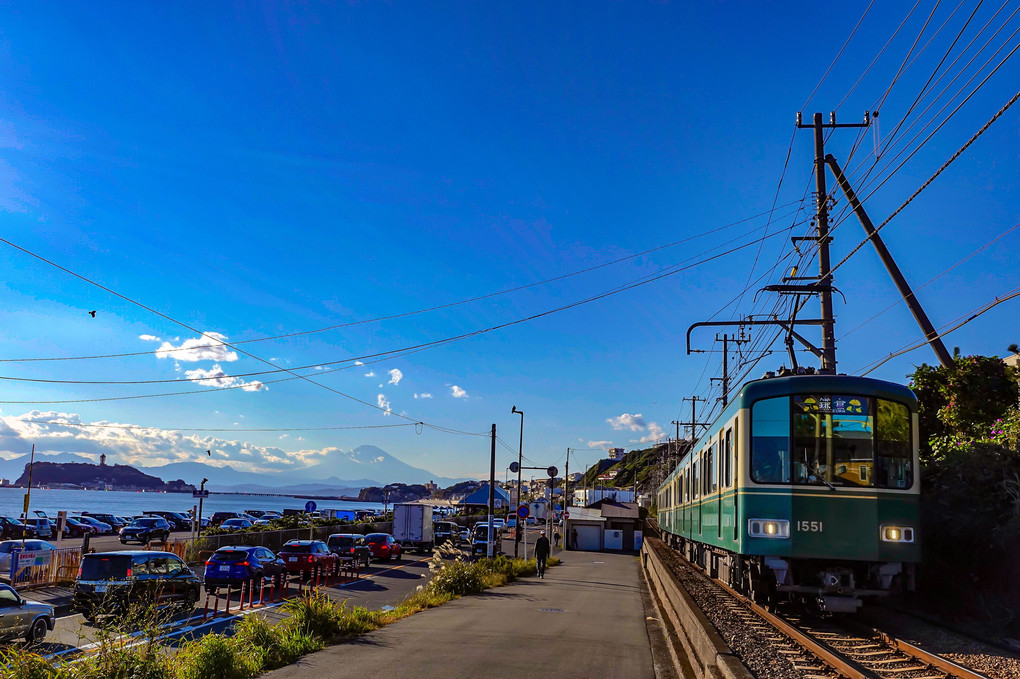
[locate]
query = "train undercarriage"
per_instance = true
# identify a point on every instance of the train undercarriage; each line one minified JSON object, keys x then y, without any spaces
{"x":826,"y":585}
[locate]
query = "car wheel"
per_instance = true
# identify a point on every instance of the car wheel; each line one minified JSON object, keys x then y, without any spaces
{"x":400,"y":555}
{"x":190,"y":600}
{"x":37,"y":632}
{"x":368,"y":560}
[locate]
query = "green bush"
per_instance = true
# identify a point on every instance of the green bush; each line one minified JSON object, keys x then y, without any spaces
{"x":214,"y":657}
{"x":17,"y":662}
{"x":273,"y":646}
{"x":319,"y":616}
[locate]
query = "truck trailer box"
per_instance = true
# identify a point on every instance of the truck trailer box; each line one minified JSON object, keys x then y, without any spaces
{"x":412,"y":526}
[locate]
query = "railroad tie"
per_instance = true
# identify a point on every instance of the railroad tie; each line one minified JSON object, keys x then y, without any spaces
{"x":898,"y":670}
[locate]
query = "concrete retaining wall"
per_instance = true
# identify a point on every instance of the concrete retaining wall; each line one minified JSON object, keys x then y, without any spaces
{"x":707,"y":653}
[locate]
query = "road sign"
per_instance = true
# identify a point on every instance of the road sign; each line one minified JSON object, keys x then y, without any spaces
{"x":523,"y":511}
{"x":552,"y":471}
{"x":310,"y":506}
{"x":566,"y":515}
{"x":200,"y":493}
{"x":514,"y":467}
{"x":497,"y":503}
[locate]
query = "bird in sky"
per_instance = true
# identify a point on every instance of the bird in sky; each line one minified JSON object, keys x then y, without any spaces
{"x":92,"y":313}
{"x":209,"y":453}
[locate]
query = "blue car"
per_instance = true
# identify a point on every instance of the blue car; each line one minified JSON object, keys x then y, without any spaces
{"x":230,"y":566}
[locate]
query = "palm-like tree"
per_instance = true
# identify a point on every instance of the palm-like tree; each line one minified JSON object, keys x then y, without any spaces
{"x":1013,"y":348}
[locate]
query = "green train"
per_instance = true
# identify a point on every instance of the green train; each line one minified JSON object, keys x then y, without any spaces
{"x":806,"y":487}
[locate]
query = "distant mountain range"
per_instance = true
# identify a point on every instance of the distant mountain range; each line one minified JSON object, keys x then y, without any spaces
{"x":339,"y":473}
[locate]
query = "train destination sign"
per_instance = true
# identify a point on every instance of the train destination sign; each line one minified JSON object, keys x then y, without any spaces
{"x":834,"y":404}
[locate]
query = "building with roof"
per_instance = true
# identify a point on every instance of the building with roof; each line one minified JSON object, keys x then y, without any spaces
{"x":480,"y":498}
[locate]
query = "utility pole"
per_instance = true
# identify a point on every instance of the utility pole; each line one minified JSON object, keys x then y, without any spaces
{"x":890,"y":265}
{"x":520,"y":461}
{"x":492,"y":494}
{"x":725,"y":379}
{"x":566,"y":482}
{"x":824,"y":288}
{"x":693,"y":424}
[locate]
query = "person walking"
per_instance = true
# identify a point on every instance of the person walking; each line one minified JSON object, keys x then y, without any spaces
{"x":573,"y":539}
{"x":541,"y":553}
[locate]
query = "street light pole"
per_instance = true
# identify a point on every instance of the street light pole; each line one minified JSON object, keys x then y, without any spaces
{"x":520,"y":461}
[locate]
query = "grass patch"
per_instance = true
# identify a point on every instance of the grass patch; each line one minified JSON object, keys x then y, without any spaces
{"x":258,"y":646}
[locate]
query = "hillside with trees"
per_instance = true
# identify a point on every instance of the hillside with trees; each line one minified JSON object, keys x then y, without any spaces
{"x":83,"y":475}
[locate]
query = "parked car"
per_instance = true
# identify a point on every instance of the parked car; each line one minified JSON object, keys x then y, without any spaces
{"x":220,"y":517}
{"x":12,"y":528}
{"x":233,"y":565}
{"x":236,"y":524}
{"x":446,"y":531}
{"x":304,"y":556}
{"x":7,"y":547}
{"x":271,"y":516}
{"x":531,"y":521}
{"x":262,"y":522}
{"x":42,"y":527}
{"x":511,"y":522}
{"x":145,"y":530}
{"x":115,"y":521}
{"x":384,"y":546}
{"x":102,"y":528}
{"x":73,"y":528}
{"x":350,"y":547}
{"x":108,"y":582}
{"x":257,"y":513}
{"x":22,"y":618}
{"x":177,"y":520}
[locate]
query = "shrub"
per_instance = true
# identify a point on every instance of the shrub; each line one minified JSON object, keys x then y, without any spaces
{"x":319,"y":616}
{"x":272,"y":646}
{"x":19,"y":663}
{"x":214,"y":657}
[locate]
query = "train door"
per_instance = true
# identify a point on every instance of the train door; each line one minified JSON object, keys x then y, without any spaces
{"x":718,"y":480}
{"x":734,"y":445}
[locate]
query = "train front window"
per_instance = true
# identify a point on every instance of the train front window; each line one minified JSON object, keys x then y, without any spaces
{"x":893,"y":459}
{"x":770,"y":440}
{"x":832,"y":440}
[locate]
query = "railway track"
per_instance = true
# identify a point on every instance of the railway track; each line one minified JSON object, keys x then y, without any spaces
{"x":825,"y":648}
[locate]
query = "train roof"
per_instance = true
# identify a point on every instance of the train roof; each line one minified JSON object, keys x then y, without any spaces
{"x":768,"y":387}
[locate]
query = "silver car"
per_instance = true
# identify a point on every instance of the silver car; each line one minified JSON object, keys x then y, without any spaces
{"x":30,"y":546}
{"x":22,"y":618}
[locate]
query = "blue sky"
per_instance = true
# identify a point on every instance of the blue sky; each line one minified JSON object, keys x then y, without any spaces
{"x":255,"y":170}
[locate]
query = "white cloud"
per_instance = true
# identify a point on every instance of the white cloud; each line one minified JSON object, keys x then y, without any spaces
{"x":370,"y":373}
{"x":383,"y":403}
{"x":395,"y":376}
{"x":358,"y":363}
{"x":599,"y":444}
{"x":148,"y":338}
{"x":457,"y":392}
{"x":216,"y":377}
{"x":655,"y":433}
{"x":627,"y":421}
{"x":198,"y":349}
{"x":423,"y":395}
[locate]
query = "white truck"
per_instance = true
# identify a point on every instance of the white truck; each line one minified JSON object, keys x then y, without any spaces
{"x":412,"y":526}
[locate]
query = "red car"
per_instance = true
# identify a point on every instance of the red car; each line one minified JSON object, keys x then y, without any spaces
{"x":304,"y":556}
{"x":383,"y":546}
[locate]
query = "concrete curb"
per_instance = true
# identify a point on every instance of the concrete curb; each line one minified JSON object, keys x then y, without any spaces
{"x":705,"y":650}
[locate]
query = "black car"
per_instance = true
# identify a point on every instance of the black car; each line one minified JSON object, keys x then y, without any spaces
{"x":108,"y":582}
{"x":73,"y":528}
{"x":220,"y":517}
{"x":115,"y":522}
{"x":350,"y":547}
{"x":234,"y":565}
{"x":446,"y":531}
{"x":176,"y":520}
{"x":11,"y":528}
{"x":145,"y":530}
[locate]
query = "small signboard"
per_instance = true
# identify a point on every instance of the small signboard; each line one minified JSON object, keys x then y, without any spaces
{"x":200,"y":493}
{"x":515,"y":467}
{"x":552,"y":472}
{"x":497,"y":503}
{"x":310,"y":506}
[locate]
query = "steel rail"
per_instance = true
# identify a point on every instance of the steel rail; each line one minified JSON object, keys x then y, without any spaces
{"x":844,"y":666}
{"x":944,"y":664}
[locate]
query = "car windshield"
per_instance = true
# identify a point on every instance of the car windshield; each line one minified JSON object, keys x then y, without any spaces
{"x":229,"y":556}
{"x":144,"y":523}
{"x":340,"y":542}
{"x":375,"y":538}
{"x":104,"y":567}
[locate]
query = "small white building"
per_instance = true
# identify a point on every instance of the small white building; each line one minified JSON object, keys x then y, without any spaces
{"x":589,"y":496}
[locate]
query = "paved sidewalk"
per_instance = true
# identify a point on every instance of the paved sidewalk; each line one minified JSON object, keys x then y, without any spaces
{"x":585,"y":619}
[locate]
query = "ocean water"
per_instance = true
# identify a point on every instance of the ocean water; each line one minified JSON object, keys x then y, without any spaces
{"x":124,"y":503}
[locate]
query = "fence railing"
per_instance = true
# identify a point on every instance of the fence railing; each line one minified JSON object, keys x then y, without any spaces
{"x":33,"y":568}
{"x":198,"y":549}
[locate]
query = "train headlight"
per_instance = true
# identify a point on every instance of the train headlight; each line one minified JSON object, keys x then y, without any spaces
{"x":897,"y":534}
{"x":768,"y":528}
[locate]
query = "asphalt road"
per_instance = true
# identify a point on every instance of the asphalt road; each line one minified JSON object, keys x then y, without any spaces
{"x":585,"y":619}
{"x":382,"y":584}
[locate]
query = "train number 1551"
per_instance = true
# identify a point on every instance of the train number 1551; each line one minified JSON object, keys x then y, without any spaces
{"x":809,"y":526}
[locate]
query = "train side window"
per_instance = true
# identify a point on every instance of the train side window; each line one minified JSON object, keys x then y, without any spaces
{"x":694,"y":476}
{"x":710,"y":471}
{"x":894,"y":458}
{"x":728,"y":459}
{"x":770,"y":440}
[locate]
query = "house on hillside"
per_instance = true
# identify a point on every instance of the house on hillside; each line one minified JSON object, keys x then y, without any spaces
{"x":480,"y":498}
